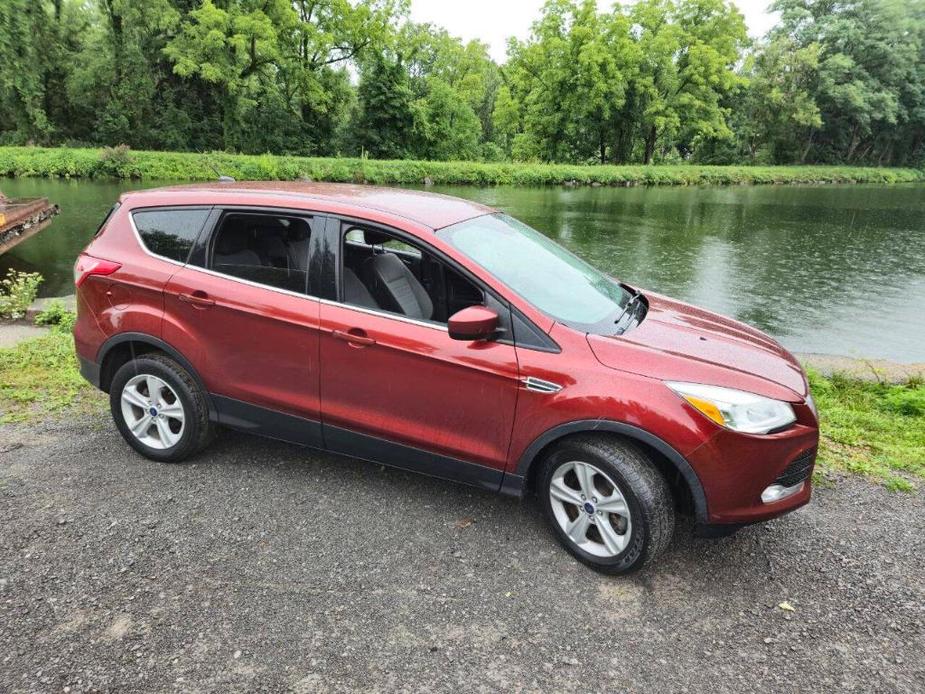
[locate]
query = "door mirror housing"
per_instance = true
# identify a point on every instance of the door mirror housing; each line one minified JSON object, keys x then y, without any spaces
{"x":473,"y":323}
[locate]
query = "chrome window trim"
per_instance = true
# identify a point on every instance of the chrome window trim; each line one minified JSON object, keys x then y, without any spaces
{"x":386,"y":314}
{"x":250,"y":283}
{"x":279,"y":290}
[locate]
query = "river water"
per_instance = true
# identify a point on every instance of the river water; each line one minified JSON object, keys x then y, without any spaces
{"x":827,"y":269}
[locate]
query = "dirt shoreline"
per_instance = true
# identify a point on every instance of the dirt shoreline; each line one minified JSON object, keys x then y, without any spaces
{"x":872,"y":370}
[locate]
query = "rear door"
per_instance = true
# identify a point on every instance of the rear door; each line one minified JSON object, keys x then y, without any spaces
{"x":243,"y":313}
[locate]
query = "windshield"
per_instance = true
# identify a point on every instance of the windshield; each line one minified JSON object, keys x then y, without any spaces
{"x":542,"y":272}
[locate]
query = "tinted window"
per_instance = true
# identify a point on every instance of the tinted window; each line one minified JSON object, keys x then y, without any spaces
{"x":264,"y":248}
{"x":170,"y":233}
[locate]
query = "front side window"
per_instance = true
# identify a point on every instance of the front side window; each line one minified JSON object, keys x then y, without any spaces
{"x":542,"y":272}
{"x":170,"y":233}
{"x":383,"y":272}
{"x":264,"y":248}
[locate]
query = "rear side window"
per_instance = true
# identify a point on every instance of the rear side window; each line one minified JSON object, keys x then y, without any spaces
{"x":264,"y":248}
{"x":170,"y":233}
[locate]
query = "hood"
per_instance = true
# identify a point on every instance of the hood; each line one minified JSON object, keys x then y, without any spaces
{"x":680,"y":342}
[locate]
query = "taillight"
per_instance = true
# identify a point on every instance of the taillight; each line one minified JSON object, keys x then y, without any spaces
{"x":87,"y":265}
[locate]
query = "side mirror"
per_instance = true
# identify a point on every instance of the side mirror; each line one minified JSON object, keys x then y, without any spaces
{"x":473,"y":323}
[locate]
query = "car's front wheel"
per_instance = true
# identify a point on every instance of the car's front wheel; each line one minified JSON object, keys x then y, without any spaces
{"x":606,"y":502}
{"x":159,"y":409}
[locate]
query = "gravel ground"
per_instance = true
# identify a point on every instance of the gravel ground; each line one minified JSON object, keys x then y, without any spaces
{"x":265,"y":567}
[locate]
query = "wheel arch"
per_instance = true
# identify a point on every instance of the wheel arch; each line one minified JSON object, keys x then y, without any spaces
{"x":122,"y":348}
{"x":667,"y":458}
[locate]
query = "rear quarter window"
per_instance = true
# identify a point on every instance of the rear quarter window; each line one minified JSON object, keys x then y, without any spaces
{"x":170,"y":233}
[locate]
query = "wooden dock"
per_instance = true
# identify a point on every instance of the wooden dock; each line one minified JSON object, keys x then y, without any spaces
{"x":20,"y":219}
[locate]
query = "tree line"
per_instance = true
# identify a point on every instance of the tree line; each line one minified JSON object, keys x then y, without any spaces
{"x":835,"y":81}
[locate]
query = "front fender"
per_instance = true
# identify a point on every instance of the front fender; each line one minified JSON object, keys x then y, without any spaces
{"x":513,"y":484}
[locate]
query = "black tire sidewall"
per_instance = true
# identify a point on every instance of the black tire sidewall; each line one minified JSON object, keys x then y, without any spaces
{"x":635,"y":554}
{"x":155,"y":367}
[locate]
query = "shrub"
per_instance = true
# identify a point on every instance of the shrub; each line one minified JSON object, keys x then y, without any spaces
{"x":116,"y":162}
{"x":57,"y":315}
{"x":17,"y":292}
{"x":120,"y":162}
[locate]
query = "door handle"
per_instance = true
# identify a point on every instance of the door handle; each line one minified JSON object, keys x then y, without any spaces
{"x":355,"y":336}
{"x":198,"y":298}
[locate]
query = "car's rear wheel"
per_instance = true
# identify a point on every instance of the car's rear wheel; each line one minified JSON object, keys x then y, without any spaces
{"x":606,"y":502}
{"x":159,"y":409}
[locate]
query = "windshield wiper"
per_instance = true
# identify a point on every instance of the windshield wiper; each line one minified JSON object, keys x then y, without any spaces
{"x":633,"y":301}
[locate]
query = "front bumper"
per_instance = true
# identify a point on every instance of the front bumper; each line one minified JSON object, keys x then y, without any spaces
{"x":740,"y":472}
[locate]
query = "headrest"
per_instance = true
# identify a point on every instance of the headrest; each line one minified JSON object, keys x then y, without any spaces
{"x":299,"y":231}
{"x":233,"y":239}
{"x":375,"y":238}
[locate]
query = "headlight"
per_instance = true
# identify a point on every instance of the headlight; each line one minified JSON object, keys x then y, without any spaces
{"x":736,"y":409}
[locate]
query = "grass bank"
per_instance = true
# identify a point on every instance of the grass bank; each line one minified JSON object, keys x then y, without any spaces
{"x":874,"y":429}
{"x":40,"y":377}
{"x":182,"y":166}
{"x":867,"y":428}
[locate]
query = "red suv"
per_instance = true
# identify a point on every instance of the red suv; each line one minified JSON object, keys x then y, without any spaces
{"x":440,"y":336}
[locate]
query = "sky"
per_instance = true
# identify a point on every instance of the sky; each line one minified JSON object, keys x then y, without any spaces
{"x":493,"y":21}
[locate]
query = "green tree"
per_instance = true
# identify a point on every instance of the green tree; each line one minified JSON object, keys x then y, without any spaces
{"x":446,"y":127}
{"x":690,"y":49}
{"x":779,"y":109}
{"x":30,"y":43}
{"x":564,"y":85}
{"x":386,"y":114}
{"x":458,"y":78}
{"x":279,"y":60}
{"x":867,"y":87}
{"x":587,"y":84}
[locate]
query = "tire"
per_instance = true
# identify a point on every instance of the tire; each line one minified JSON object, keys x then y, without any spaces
{"x":179,"y":405}
{"x":635,"y":503}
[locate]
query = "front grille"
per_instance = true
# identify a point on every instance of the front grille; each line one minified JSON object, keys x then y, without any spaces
{"x":798,"y":470}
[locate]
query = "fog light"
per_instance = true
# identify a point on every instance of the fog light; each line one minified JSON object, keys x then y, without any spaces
{"x":776,"y":492}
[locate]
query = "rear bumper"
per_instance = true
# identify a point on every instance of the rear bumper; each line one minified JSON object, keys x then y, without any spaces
{"x":90,"y":370}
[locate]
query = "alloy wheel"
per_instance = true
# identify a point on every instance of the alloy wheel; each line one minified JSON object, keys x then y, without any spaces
{"x":152,"y":411}
{"x":590,"y":509}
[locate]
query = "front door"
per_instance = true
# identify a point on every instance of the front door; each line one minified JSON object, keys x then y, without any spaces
{"x":394,"y":386}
